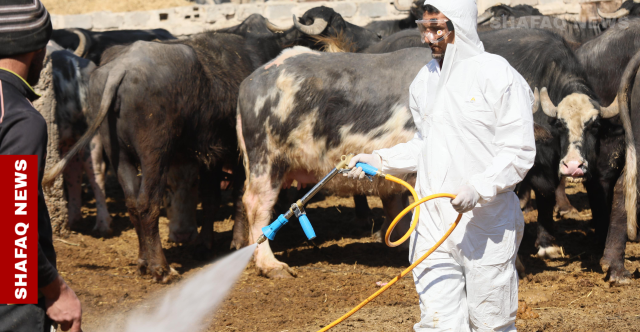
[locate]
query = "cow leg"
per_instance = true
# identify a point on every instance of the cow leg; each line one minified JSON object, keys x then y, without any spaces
{"x":127,"y":174}
{"x":363,"y":212}
{"x":393,"y":205}
{"x":563,"y":206}
{"x":98,"y":163}
{"x":148,"y":204}
{"x":259,"y":198}
{"x":181,"y":202}
{"x":524,"y":194}
{"x":103,"y":219}
{"x":210,"y":197}
{"x":240,"y":229}
{"x":612,"y":261}
{"x":73,"y":183}
{"x":545,"y":242}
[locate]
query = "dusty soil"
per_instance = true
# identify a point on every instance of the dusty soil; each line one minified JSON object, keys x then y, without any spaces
{"x":70,"y":7}
{"x":339,"y":270}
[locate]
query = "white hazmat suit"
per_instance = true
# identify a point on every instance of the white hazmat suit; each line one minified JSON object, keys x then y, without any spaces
{"x":475,"y":129}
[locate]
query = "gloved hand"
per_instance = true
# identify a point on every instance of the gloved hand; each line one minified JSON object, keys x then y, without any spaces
{"x":466,"y":199}
{"x":371,"y":159}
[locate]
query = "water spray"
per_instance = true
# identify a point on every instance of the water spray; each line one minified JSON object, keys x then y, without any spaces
{"x":297,"y":209}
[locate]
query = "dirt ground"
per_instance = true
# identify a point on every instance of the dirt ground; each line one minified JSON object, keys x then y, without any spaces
{"x":338,"y":271}
{"x":71,"y":7}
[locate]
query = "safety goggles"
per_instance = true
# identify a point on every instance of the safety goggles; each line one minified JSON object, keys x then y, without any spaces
{"x":434,"y":30}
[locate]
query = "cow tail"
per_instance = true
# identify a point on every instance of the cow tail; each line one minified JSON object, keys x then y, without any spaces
{"x":113,"y":82}
{"x":631,"y":163}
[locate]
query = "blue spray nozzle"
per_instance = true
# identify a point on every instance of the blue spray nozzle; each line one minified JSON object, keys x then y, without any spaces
{"x":306,"y":227}
{"x":368,"y":169}
{"x":271,"y":230}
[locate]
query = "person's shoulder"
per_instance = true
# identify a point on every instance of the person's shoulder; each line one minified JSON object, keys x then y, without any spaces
{"x":497,"y":70}
{"x":18,"y":109}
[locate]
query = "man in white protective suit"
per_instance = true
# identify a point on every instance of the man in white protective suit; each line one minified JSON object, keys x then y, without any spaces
{"x":475,"y":139}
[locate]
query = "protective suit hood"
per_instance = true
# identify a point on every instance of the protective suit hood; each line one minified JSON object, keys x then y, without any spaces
{"x":463,"y":14}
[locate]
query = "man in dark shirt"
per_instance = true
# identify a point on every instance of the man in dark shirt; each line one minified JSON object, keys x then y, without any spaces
{"x":25,"y":29}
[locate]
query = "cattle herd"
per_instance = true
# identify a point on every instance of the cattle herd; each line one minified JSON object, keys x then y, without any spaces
{"x":262,"y":107}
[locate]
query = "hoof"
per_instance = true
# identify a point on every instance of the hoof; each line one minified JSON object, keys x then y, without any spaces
{"x":183,"y":237}
{"x":278,"y":274}
{"x":237,"y":244}
{"x":164,"y":274}
{"x":378,"y":236}
{"x":282,"y":271}
{"x":566,"y":212}
{"x":102,"y":231}
{"x":619,"y":277}
{"x":142,"y":266}
{"x":551,"y":252}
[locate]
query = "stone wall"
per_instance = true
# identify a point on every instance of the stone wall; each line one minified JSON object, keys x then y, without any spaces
{"x":197,"y":18}
{"x":46,"y":105}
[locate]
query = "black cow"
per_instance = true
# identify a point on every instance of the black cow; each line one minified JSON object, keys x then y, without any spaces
{"x":157,"y":104}
{"x":605,"y":59}
{"x":628,"y":8}
{"x":571,"y":114}
{"x":624,"y":216}
{"x":389,"y":27}
{"x":91,"y":45}
{"x":575,"y":33}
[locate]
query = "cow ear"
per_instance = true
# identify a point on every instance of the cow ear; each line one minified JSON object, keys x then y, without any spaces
{"x":540,"y":133}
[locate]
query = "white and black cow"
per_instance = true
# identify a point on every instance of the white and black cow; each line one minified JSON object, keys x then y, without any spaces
{"x":299,"y":113}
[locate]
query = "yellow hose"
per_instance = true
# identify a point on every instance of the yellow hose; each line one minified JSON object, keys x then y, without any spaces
{"x":415,"y":205}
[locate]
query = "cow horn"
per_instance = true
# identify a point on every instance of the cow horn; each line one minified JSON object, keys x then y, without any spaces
{"x":81,"y":50}
{"x":547,"y":105}
{"x":485,"y":16}
{"x":402,"y":5}
{"x":314,"y":29}
{"x":275,"y":28}
{"x":611,"y":110}
{"x":536,"y":100}
{"x":617,"y":14}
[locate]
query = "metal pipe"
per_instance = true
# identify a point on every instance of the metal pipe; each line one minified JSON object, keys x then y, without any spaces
{"x":303,"y":201}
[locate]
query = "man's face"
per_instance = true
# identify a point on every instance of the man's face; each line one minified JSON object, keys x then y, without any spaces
{"x":438,"y":49}
{"x":36,"y":66}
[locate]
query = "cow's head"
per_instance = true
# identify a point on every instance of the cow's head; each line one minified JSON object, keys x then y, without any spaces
{"x":628,"y":8}
{"x":324,"y":21}
{"x":576,"y":121}
{"x":497,"y":11}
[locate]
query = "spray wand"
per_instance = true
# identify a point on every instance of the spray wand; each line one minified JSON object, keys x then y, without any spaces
{"x":296,"y":209}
